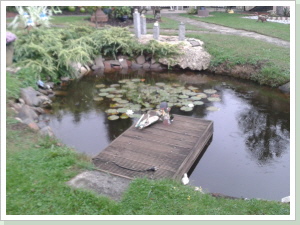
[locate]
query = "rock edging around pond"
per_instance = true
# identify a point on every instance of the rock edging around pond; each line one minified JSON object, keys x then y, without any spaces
{"x":193,"y":57}
{"x":30,"y":109}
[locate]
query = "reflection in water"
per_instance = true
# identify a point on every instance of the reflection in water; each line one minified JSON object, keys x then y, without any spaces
{"x":248,"y":156}
{"x":266,"y":137}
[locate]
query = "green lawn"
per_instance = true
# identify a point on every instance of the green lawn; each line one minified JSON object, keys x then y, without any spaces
{"x":235,"y":50}
{"x":38,"y":169}
{"x":170,"y":24}
{"x":277,"y":30}
{"x":74,"y":20}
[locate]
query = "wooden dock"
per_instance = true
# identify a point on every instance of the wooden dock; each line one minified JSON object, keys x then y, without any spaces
{"x":172,"y":149}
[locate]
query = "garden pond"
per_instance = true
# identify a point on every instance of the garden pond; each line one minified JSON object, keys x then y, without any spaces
{"x":249,"y":154}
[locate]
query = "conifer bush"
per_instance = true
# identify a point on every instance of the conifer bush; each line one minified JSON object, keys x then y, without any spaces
{"x":49,"y":52}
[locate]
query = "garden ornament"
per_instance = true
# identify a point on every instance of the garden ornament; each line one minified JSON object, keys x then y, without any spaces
{"x":43,"y":16}
{"x":185,"y":180}
{"x":42,"y":85}
{"x":153,"y":116}
{"x":30,"y":23}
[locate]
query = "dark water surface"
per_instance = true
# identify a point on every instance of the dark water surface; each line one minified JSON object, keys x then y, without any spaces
{"x":249,"y":155}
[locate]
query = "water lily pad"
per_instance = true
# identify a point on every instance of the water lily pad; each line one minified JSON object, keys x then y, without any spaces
{"x":213,"y":108}
{"x":183,"y":96}
{"x":135,"y":107}
{"x":135,"y":115}
{"x":209,"y":91}
{"x":115,"y":85}
{"x":120,"y":91}
{"x":98,"y":99}
{"x":192,"y":88}
{"x":111,"y":111}
{"x":116,"y":99}
{"x":186,"y":103}
{"x":122,"y":110}
{"x":103,"y":94}
{"x":186,"y":108}
{"x":113,"y":117}
{"x":198,"y":103}
{"x":110,"y":89}
{"x":122,"y":101}
{"x":124,"y":116}
{"x":175,"y":85}
{"x":113,"y":105}
{"x":160,"y":84}
{"x":110,"y":96}
{"x":202,"y":95}
{"x":212,"y":99}
{"x":123,"y":81}
{"x":100,"y":86}
{"x":103,"y":90}
{"x":136,"y":80}
{"x":196,"y":98}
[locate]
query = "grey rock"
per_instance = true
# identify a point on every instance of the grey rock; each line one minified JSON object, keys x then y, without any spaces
{"x":30,"y":96}
{"x":146,"y":65}
{"x":38,"y":110}
{"x":141,"y":59}
{"x":46,"y":131}
{"x":155,"y":66}
{"x":123,"y":63}
{"x":98,"y":63}
{"x":136,"y":66}
{"x":26,"y":112}
{"x":114,"y":62}
{"x":192,"y":57}
{"x":285,"y":88}
{"x":101,"y":183}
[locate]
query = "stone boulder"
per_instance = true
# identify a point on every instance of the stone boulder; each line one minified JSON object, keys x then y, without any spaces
{"x":46,"y":131}
{"x":285,"y":88}
{"x":193,"y":56}
{"x":79,"y":70}
{"x":27,"y":114}
{"x":141,"y":59}
{"x":98,"y":63}
{"x":32,"y":97}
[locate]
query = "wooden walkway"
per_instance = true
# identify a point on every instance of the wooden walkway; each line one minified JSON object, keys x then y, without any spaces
{"x":171,"y":148}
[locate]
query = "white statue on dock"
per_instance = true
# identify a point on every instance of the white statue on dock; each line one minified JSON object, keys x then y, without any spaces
{"x":153,"y":116}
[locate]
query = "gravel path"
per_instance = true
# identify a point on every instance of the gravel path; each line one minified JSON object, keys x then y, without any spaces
{"x":227,"y":30}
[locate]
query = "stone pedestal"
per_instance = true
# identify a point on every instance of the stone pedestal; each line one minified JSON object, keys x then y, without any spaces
{"x":181,"y":35}
{"x":143,"y":24}
{"x":203,"y":12}
{"x":99,"y":16}
{"x":9,"y":54}
{"x":137,"y":23}
{"x":156,"y":31}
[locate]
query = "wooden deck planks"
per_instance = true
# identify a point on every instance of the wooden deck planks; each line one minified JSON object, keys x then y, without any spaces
{"x":171,"y":148}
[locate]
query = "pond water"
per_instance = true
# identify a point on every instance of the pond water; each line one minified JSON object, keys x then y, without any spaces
{"x":249,"y":154}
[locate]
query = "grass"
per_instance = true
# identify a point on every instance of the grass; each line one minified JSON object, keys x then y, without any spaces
{"x":172,"y":24}
{"x":235,"y":50}
{"x":74,"y":20}
{"x":38,"y":169}
{"x":277,"y":30}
